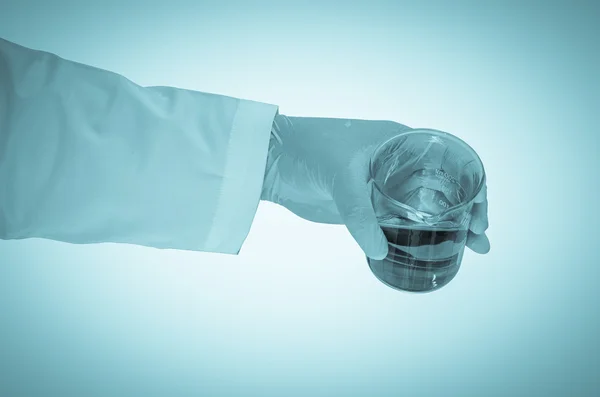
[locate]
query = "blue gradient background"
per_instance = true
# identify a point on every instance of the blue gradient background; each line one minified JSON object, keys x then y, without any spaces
{"x":298,"y":312}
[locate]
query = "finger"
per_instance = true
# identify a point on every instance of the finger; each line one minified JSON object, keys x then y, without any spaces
{"x":352,"y":199}
{"x":479,"y":220}
{"x":478,"y":243}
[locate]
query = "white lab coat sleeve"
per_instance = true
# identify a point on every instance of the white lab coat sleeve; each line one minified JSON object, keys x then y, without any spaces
{"x":87,"y":156}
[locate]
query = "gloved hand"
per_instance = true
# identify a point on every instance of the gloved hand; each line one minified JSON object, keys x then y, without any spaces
{"x":318,"y":168}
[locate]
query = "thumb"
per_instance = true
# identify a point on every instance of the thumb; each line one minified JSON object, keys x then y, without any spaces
{"x":352,"y":199}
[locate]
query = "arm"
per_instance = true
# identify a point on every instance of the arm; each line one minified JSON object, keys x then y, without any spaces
{"x":87,"y":156}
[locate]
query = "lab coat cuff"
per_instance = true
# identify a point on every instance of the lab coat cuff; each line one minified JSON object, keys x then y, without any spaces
{"x":243,"y":176}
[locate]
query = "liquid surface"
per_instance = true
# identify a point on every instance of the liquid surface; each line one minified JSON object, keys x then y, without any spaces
{"x":428,"y":191}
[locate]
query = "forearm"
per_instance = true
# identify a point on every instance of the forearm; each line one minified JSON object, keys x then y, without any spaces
{"x":88,"y":156}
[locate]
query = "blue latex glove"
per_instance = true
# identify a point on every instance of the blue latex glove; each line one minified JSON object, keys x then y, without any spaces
{"x":318,"y":168}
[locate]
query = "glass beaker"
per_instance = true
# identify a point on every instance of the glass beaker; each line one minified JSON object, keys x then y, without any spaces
{"x":424,"y":183}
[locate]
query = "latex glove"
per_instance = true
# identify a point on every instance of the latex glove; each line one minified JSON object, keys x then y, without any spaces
{"x":318,"y":168}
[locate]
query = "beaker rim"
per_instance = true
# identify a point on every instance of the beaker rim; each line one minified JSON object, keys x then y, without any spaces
{"x":434,"y":132}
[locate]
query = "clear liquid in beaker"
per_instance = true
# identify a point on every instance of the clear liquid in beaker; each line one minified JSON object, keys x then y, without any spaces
{"x":422,"y":257}
{"x":420,"y":260}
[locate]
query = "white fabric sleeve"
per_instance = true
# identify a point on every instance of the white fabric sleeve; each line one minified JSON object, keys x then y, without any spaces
{"x":87,"y":156}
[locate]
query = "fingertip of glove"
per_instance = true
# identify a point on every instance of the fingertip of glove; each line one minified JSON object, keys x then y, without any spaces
{"x":378,"y":257}
{"x":380,"y":250}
